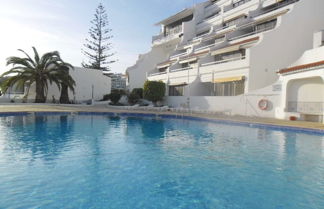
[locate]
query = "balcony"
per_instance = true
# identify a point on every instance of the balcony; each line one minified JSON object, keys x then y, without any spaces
{"x":277,"y":5}
{"x":223,"y":61}
{"x":211,"y":43}
{"x":211,"y":4}
{"x":211,"y":16}
{"x":181,"y":69}
{"x":201,"y":35}
{"x":208,"y":18}
{"x":256,"y":31}
{"x":224,"y":29}
{"x":178,"y":55}
{"x":235,"y":5}
{"x":157,"y":73}
{"x":316,"y":108}
{"x":169,"y":35}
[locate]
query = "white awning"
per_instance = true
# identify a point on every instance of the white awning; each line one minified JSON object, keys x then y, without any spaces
{"x":231,"y":17}
{"x":163,"y":66}
{"x":226,"y":50}
{"x":188,"y":60}
{"x":178,"y":84}
{"x":229,"y":79}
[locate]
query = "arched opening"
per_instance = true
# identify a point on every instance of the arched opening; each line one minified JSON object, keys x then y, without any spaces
{"x":306,"y":96}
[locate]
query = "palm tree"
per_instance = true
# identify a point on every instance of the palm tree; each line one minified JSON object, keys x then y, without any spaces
{"x":68,"y":83}
{"x":42,"y":71}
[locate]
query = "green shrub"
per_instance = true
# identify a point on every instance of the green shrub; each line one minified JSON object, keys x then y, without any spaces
{"x":114,"y":96}
{"x":135,"y":96}
{"x":154,"y":90}
{"x":118,"y":91}
{"x":139,"y":92}
{"x":106,"y":97}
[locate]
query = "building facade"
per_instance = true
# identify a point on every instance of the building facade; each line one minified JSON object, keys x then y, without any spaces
{"x":227,"y":48}
{"x":118,"y":81}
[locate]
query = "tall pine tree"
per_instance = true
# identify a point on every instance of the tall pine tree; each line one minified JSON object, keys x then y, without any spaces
{"x":98,"y":48}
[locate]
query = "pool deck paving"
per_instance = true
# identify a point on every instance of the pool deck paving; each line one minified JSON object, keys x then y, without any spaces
{"x":31,"y":108}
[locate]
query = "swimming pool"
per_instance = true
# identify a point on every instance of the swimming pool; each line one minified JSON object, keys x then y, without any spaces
{"x":100,"y":161}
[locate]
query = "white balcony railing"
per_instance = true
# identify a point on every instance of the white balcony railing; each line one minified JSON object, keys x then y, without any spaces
{"x":178,"y":55}
{"x":223,"y":61}
{"x":157,"y":73}
{"x":306,"y":107}
{"x":205,"y":47}
{"x":181,"y":69}
{"x":169,"y":35}
{"x":278,"y":6}
{"x":254,"y":32}
{"x":210,"y":45}
{"x":201,"y":36}
{"x":235,"y":5}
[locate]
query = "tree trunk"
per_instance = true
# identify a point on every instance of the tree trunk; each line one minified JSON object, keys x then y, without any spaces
{"x":64,"y":98}
{"x":40,"y":97}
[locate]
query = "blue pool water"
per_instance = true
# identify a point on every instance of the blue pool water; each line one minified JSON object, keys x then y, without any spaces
{"x":118,"y":162}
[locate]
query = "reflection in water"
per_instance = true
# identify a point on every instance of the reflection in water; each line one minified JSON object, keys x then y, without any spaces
{"x":151,"y":130}
{"x":152,"y":133}
{"x":50,"y":134}
{"x":104,"y":162}
{"x":290,"y":144}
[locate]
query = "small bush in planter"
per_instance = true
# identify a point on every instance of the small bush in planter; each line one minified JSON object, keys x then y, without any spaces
{"x":115,"y":96}
{"x":139,"y":92}
{"x":135,"y":96}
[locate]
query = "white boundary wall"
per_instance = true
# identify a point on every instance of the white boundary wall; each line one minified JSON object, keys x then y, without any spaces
{"x":246,"y":105}
{"x":85,"y":80}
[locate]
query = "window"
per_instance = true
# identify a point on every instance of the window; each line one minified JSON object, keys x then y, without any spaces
{"x":266,"y":25}
{"x":229,"y":88}
{"x":185,"y":65}
{"x":176,"y":90}
{"x":188,"y":64}
{"x":163,"y":69}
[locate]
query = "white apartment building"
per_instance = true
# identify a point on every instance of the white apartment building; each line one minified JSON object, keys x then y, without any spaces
{"x":226,"y":48}
{"x":118,"y":81}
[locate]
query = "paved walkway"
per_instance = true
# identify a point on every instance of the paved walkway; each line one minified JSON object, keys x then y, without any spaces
{"x":104,"y":108}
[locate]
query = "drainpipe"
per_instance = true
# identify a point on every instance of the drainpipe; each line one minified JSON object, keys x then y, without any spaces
{"x":213,"y":77}
{"x":188,"y":100}
{"x":92,"y":94}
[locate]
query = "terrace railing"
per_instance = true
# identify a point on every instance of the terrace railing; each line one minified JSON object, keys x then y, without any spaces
{"x":178,"y":55}
{"x":223,"y":61}
{"x":181,"y":69}
{"x":277,"y":6}
{"x":254,"y":32}
{"x":306,"y":107}
{"x":170,"y":34}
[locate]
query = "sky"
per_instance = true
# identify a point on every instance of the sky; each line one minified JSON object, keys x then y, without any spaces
{"x":62,"y":25}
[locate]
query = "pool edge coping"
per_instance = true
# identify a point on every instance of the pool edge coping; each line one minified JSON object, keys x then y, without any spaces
{"x":229,"y":121}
